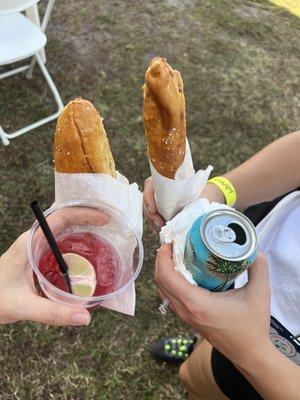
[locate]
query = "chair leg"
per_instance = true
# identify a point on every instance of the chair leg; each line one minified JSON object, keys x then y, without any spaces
{"x":3,"y":137}
{"x":14,"y":71}
{"x":46,"y":119}
{"x":31,"y":68}
{"x":51,"y":84}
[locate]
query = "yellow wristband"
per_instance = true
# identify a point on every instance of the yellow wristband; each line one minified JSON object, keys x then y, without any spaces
{"x":226,"y":188}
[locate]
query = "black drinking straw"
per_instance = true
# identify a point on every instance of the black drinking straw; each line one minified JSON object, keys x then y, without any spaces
{"x":51,"y":241}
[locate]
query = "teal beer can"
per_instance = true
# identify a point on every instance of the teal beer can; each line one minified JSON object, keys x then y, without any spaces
{"x":219,"y":247}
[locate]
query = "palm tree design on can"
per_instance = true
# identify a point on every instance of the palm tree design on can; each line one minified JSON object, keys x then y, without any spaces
{"x":225,"y":270}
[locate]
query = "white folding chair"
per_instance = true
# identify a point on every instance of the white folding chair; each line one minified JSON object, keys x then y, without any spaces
{"x":20,"y":38}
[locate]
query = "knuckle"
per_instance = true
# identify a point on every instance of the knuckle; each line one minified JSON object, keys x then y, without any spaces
{"x":183,"y":316}
{"x":20,"y":242}
{"x":158,"y":278}
{"x":56,"y":318}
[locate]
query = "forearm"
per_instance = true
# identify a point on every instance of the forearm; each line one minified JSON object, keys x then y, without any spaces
{"x":268,"y":371}
{"x":271,"y":172}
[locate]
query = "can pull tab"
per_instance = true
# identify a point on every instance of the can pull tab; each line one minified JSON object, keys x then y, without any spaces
{"x":223,"y":233}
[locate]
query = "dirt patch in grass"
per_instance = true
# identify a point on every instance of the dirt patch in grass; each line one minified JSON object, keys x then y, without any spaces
{"x":239,"y":62}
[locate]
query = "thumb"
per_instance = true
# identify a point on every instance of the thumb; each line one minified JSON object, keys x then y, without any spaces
{"x":173,"y":281}
{"x":42,"y":310}
{"x":259,"y":275}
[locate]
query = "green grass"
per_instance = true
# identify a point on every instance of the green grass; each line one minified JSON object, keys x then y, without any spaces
{"x":240,"y":64}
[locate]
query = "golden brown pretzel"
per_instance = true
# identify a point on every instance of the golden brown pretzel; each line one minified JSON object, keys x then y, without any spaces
{"x":81,"y":144}
{"x":164,"y":117}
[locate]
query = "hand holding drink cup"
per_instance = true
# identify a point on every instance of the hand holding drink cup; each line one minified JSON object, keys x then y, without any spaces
{"x":19,"y":300}
{"x":100,"y":247}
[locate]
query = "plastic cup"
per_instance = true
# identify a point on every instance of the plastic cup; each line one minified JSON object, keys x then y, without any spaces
{"x":83,"y":216}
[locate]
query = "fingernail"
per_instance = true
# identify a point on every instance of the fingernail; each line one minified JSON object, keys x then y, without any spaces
{"x":81,"y":319}
{"x":149,"y":208}
{"x":156,"y":225}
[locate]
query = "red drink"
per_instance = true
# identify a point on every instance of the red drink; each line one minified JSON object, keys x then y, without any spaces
{"x":97,"y":251}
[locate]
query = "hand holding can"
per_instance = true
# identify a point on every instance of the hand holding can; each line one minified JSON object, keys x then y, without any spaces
{"x":220,"y":246}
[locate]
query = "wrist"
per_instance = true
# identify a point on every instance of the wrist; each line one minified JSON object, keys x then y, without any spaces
{"x":211,"y":192}
{"x":226,"y":187}
{"x":254,"y":359}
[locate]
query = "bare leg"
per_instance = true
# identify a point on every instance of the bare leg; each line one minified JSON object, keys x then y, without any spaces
{"x":196,"y":375}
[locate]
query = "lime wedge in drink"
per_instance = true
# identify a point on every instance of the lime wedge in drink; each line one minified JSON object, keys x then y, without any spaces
{"x":82,"y":275}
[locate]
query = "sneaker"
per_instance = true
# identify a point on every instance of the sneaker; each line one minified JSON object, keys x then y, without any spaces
{"x":173,"y":350}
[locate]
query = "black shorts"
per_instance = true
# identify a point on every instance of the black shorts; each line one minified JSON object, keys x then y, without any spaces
{"x":230,"y":381}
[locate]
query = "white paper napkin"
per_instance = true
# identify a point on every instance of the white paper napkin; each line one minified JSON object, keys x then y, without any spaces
{"x":176,"y":231}
{"x":115,"y":192}
{"x":172,"y":195}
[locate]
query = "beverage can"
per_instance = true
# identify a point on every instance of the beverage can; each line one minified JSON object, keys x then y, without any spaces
{"x":220,"y":245}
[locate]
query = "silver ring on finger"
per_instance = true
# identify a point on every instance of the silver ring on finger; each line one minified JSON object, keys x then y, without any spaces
{"x":163,"y":308}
